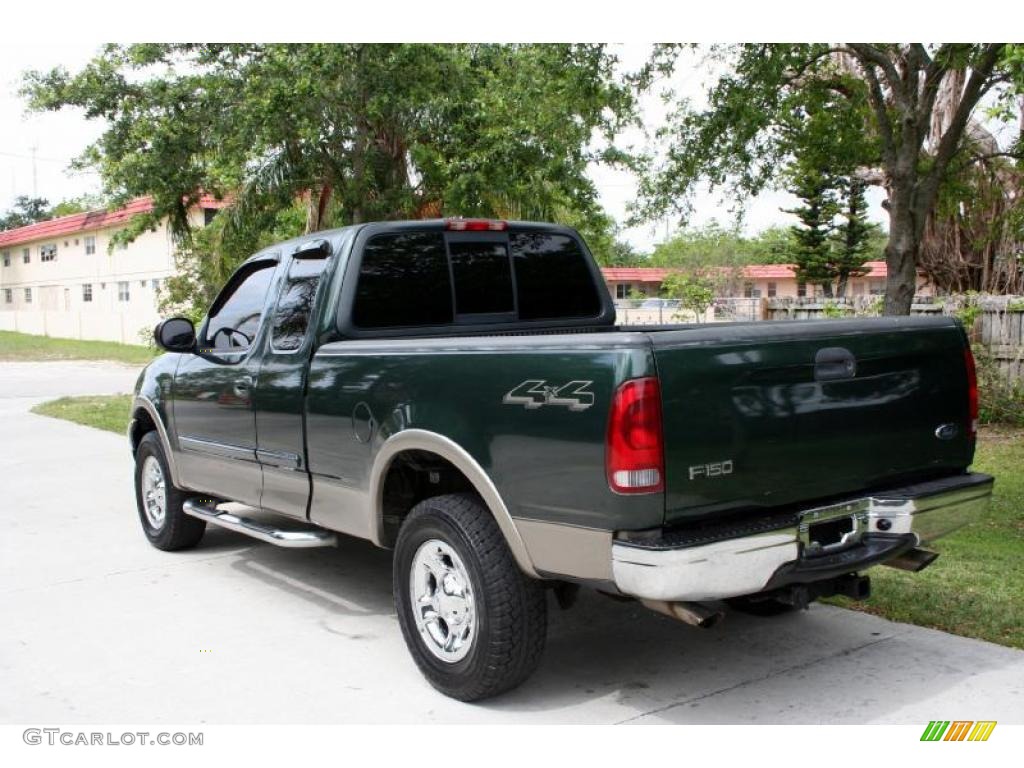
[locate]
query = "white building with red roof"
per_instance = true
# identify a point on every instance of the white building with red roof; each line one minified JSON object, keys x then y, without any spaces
{"x":756,"y":281}
{"x":62,"y":277}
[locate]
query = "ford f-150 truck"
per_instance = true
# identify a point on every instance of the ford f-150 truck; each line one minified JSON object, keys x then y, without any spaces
{"x":458,"y":391}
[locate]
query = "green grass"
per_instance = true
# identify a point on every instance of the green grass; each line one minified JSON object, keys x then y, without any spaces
{"x":24,"y":346}
{"x":976,"y":587}
{"x":109,"y":412}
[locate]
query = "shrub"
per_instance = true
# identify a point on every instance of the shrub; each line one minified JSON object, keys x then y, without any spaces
{"x":999,"y":400}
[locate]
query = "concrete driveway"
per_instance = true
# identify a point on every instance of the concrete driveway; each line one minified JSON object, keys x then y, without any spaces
{"x":97,"y":626}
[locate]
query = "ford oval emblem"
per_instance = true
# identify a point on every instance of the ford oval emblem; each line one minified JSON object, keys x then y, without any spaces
{"x":946,"y":431}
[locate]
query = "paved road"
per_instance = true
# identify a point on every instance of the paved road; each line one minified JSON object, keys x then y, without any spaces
{"x":97,"y":626}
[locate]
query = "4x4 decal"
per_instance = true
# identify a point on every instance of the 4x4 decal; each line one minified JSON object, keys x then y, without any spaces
{"x":534,"y":393}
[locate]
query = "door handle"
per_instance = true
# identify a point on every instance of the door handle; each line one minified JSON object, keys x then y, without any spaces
{"x":834,"y":364}
{"x":243,"y":385}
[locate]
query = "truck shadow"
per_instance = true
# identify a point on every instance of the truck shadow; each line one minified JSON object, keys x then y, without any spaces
{"x":626,"y":663}
{"x":824,"y":665}
{"x":352,"y":579}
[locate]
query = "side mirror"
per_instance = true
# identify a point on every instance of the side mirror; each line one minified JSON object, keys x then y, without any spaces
{"x":176,"y":334}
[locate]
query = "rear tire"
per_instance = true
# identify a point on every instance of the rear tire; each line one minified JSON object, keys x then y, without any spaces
{"x":473,"y":622}
{"x":160,"y":503}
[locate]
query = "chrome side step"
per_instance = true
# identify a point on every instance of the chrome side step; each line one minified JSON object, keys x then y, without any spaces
{"x":294,"y":539}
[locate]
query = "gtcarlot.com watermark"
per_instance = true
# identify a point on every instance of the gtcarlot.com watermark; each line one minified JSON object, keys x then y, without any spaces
{"x":58,"y":736}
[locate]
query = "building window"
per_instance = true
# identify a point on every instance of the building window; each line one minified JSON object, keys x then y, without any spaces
{"x":750,"y":292}
{"x":771,"y":290}
{"x":8,"y":295}
{"x":28,"y":295}
{"x":876,"y":287}
{"x":123,"y":293}
{"x":48,"y":252}
{"x":208,"y":214}
{"x":90,"y":245}
{"x":7,"y":258}
{"x":801,"y":289}
{"x":155,"y":283}
{"x":87,"y":292}
{"x":26,"y":256}
{"x":622,"y":290}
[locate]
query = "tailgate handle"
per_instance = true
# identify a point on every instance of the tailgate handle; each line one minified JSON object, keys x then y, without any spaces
{"x":834,"y":363}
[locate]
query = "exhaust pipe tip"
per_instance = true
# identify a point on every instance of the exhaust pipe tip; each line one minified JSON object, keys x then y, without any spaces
{"x":913,"y":560}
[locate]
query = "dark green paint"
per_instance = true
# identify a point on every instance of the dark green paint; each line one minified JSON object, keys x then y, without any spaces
{"x":740,"y":392}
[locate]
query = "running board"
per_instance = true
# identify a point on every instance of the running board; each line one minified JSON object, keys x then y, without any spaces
{"x":293,"y":539}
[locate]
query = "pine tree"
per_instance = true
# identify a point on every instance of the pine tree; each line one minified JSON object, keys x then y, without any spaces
{"x":814,"y":247}
{"x":852,"y":235}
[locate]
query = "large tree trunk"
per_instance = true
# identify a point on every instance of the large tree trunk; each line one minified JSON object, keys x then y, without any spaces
{"x":316,"y":208}
{"x":900,"y":255}
{"x":843,"y":279}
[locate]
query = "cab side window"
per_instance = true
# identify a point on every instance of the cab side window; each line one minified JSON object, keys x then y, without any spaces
{"x":291,"y":318}
{"x":235,"y":316}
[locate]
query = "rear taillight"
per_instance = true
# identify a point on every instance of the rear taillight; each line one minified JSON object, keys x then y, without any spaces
{"x":475,"y":225}
{"x":972,"y":393}
{"x":635,"y":456}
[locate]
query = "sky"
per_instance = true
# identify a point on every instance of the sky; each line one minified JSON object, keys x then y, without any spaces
{"x":57,"y":137}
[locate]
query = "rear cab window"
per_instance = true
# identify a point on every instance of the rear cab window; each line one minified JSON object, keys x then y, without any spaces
{"x":436,"y":278}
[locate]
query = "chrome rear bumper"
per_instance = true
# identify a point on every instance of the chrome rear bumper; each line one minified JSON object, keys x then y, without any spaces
{"x":882,"y":527}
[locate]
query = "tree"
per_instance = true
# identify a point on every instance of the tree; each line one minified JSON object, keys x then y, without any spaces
{"x":602,"y":237}
{"x":813,"y":236}
{"x":694,"y":292}
{"x":757,"y":120}
{"x":78,"y":204}
{"x":29,"y":210}
{"x":357,"y":132}
{"x":774,"y":245}
{"x":26,"y":210}
{"x":852,"y":236}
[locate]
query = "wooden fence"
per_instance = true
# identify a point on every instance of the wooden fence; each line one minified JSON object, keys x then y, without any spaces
{"x":997,"y":322}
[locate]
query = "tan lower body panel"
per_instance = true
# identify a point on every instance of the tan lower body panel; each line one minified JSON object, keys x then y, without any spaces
{"x":567,"y":550}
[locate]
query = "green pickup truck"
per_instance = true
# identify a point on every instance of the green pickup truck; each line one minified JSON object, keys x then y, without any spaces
{"x":457,"y":391}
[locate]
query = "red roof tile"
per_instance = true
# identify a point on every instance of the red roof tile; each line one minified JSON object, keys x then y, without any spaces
{"x":635,"y":274}
{"x":87,"y":221}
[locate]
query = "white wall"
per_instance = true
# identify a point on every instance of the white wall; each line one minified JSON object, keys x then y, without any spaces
{"x":123,"y":327}
{"x":58,"y":306}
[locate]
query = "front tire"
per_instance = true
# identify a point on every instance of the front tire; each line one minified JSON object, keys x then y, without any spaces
{"x":160,"y":503}
{"x":473,"y":622}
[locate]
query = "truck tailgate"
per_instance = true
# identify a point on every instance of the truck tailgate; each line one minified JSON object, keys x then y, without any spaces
{"x":751,"y":421}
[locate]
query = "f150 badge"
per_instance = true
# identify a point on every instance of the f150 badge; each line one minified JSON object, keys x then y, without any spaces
{"x":534,"y":393}
{"x":714,"y":469}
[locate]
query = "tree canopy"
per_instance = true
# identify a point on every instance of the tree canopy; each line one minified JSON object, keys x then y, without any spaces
{"x":356,"y":132}
{"x":28,"y":210}
{"x":896,"y":113}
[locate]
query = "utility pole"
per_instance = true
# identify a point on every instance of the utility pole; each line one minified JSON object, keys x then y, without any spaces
{"x":35,"y":185}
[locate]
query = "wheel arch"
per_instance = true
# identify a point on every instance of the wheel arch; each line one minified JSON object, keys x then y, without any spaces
{"x":420,"y":440}
{"x":147,"y":418}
